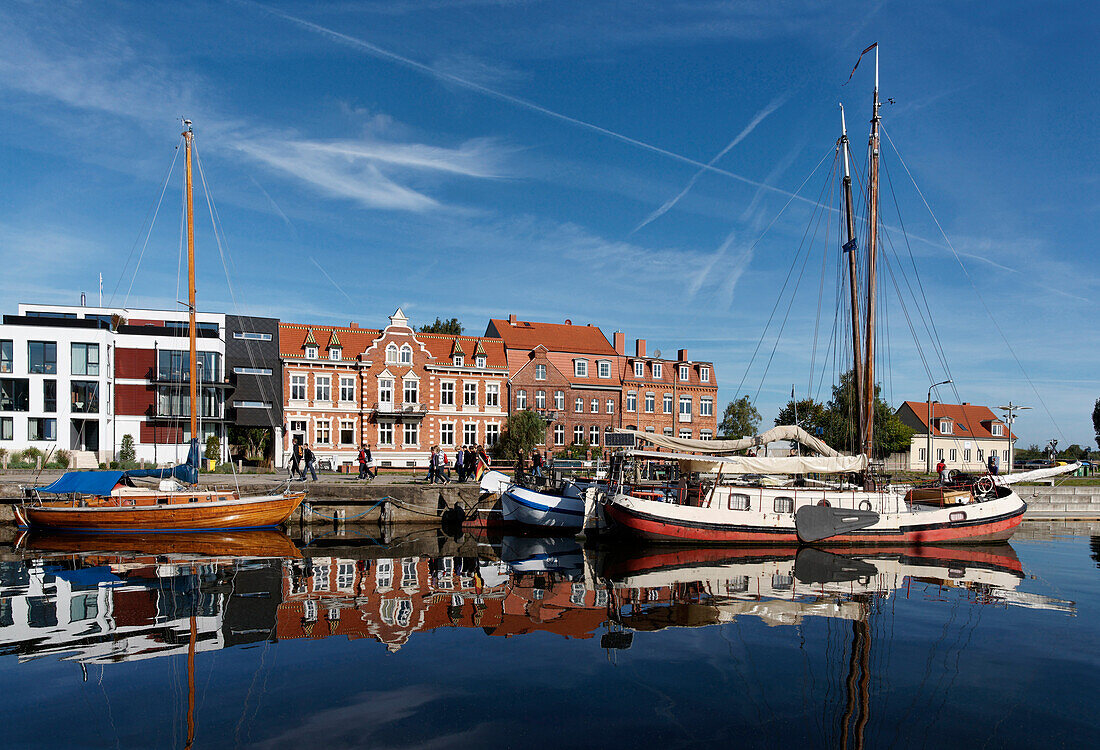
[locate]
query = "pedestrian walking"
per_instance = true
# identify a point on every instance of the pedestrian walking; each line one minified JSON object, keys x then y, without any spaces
{"x":460,"y":463}
{"x":445,"y":467}
{"x":311,"y":464}
{"x":295,"y":458}
{"x":365,"y":462}
{"x":941,"y":469}
{"x":432,"y":458}
{"x":536,"y":463}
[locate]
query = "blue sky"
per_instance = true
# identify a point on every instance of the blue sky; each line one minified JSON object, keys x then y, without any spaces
{"x":476,"y":158}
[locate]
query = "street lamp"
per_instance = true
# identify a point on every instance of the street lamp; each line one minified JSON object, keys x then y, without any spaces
{"x":928,"y":462}
{"x":1011,"y":410}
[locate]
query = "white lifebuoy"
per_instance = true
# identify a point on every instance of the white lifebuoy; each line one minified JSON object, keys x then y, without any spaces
{"x":865,"y":503}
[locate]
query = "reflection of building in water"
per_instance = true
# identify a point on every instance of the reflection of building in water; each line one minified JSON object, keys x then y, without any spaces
{"x":134,"y":608}
{"x":389,"y":599}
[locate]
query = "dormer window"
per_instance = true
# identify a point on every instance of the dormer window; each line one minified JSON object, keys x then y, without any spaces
{"x":457,"y":360}
{"x":684,"y":369}
{"x":657,"y":370}
{"x":998,"y":430}
{"x":639,"y":368}
{"x":335,"y":353}
{"x":391,"y":354}
{"x":946,"y":427}
{"x":580,"y":368}
{"x":406,"y":354}
{"x":603,"y":368}
{"x":311,"y":352}
{"x":480,"y":361}
{"x":704,"y":374}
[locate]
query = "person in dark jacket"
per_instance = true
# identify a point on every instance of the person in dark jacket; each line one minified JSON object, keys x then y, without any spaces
{"x":365,"y":462}
{"x":296,"y":459}
{"x":460,"y":463}
{"x":311,"y":464}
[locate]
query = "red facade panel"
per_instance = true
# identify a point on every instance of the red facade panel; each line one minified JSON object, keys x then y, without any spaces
{"x":134,"y":363}
{"x":134,"y":400}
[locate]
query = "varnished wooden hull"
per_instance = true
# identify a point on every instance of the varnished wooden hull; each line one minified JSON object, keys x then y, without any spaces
{"x":243,"y":513}
{"x":245,"y":543}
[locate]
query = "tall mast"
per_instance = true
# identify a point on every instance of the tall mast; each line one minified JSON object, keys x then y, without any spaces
{"x":188,"y":136}
{"x":872,"y":250}
{"x":853,"y":279}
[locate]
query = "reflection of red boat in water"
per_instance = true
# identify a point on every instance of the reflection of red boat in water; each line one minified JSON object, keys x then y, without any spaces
{"x":264,"y":543}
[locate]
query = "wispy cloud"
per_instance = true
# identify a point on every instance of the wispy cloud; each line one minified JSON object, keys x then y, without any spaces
{"x":355,"y":169}
{"x":773,"y":105}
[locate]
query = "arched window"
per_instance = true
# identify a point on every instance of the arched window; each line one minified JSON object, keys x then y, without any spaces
{"x":406,"y":354}
{"x":391,"y":353}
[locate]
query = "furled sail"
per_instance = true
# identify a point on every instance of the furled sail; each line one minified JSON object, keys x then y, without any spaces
{"x":723,"y":447}
{"x":731,"y":465}
{"x":1036,"y":474}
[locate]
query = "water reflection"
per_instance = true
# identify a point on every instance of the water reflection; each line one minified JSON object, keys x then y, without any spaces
{"x":113,"y":598}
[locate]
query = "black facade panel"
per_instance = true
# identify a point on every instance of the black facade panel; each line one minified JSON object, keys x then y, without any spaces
{"x":252,"y":344}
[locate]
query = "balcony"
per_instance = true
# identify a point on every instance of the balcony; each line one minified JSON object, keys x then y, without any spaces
{"x":685,"y":417}
{"x":388,"y":408}
{"x":547,"y":415}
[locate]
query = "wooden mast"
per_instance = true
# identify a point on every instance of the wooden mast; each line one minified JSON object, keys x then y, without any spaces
{"x":188,"y":136}
{"x":872,"y":250}
{"x":853,"y":281}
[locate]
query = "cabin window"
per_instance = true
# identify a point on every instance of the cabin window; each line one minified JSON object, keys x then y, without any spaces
{"x":737,"y":501}
{"x":784,"y":505}
{"x":958,"y":515}
{"x":164,"y":500}
{"x":737,"y":585}
{"x":781,"y":582}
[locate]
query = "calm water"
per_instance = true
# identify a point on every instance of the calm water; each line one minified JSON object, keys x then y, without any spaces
{"x":426,"y":641}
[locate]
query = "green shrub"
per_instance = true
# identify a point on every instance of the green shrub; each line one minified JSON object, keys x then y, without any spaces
{"x":114,"y":464}
{"x":61,"y":459}
{"x":31,"y":455}
{"x":213,"y":448}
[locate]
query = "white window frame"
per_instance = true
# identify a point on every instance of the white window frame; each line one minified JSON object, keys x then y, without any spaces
{"x":559,"y":434}
{"x":469,"y":433}
{"x":639,"y":368}
{"x":411,"y":434}
{"x":458,"y":360}
{"x":947,"y":427}
{"x":997,"y":430}
{"x":469,"y":394}
{"x":540,"y":372}
{"x":406,"y":354}
{"x":578,"y":434}
{"x":685,"y":401}
{"x":480,"y":361}
{"x":447,"y":433}
{"x":347,"y":390}
{"x":322,"y":432}
{"x":298,"y":382}
{"x":685,"y":434}
{"x":666,"y":403}
{"x":594,"y":406}
{"x":492,"y":394}
{"x":521,"y":399}
{"x":594,"y":434}
{"x":492,"y":434}
{"x":610,"y":406}
{"x":447,"y":393}
{"x":706,"y":406}
{"x":578,"y":405}
{"x":559,"y":400}
{"x":650,"y":402}
{"x":410,"y":386}
{"x":685,"y":373}
{"x":704,"y":374}
{"x":322,"y":382}
{"x":385,"y":385}
{"x":391,"y":354}
{"x":540,"y":399}
{"x":580,"y":368}
{"x":385,"y":434}
{"x":603,"y":368}
{"x":336,"y":353}
{"x":349,"y":425}
{"x":311,"y":352}
{"x":657,"y":370}
{"x":632,"y":401}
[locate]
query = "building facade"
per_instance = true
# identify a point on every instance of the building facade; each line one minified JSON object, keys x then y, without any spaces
{"x":964,"y":436}
{"x":254,"y":370}
{"x":398,"y":390}
{"x":671,"y":397}
{"x":584,"y":385}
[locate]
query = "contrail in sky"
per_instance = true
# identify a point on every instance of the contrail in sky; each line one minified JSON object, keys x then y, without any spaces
{"x":374,"y":49}
{"x":756,"y":120}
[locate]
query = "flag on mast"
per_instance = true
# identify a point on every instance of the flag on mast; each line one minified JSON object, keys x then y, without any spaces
{"x":861,"y":54}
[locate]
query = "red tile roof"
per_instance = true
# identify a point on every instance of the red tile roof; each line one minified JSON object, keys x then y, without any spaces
{"x":556,"y":337}
{"x":441,"y":346}
{"x":970,"y":420}
{"x":294,"y":336}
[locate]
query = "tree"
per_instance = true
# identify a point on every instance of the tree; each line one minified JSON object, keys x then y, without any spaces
{"x":253,"y":440}
{"x":213,"y":448}
{"x":891,"y":435}
{"x":740,"y":419}
{"x":813,"y":417}
{"x":126,"y":450}
{"x":522,"y":432}
{"x":1096,"y":421}
{"x":451,"y":326}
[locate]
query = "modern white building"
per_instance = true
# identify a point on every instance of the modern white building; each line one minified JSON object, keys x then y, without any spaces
{"x":80,"y":378}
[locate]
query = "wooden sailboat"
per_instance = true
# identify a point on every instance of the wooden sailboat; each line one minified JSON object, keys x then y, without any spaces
{"x":112,"y":501}
{"x":868,"y":511}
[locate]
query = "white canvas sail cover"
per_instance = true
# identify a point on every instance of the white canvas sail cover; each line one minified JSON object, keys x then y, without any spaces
{"x":1036,"y":474}
{"x":723,"y":447}
{"x":730,"y":465}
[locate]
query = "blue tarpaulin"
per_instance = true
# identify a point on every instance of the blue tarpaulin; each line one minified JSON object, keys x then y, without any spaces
{"x":85,"y":482}
{"x":88,"y":577}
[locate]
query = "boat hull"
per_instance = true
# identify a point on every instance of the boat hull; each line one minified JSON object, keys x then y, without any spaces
{"x":985,"y":522}
{"x":520,"y":505}
{"x":242,"y":513}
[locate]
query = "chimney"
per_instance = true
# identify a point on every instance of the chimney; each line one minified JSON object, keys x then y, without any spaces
{"x":682,"y":355}
{"x":511,"y":320}
{"x":568,"y":322}
{"x":620,"y":342}
{"x":639,"y":348}
{"x":353,"y":324}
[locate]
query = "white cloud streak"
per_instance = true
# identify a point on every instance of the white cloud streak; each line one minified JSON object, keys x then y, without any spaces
{"x":773,"y":105}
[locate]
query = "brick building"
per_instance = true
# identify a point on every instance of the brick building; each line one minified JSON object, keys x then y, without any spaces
{"x":583,"y":385}
{"x":569,"y":374}
{"x":399,"y":390}
{"x":673,"y":397}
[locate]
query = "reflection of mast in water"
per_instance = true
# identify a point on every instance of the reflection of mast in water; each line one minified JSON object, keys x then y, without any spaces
{"x":191,"y":661}
{"x":859,"y":663}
